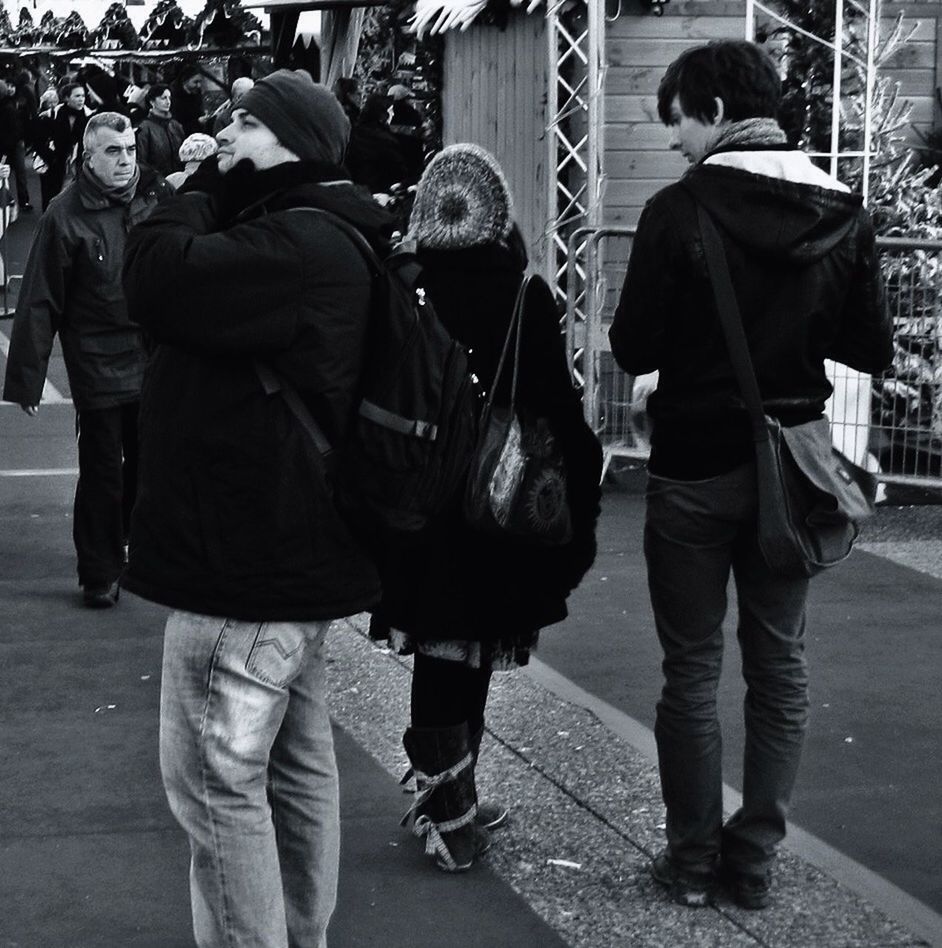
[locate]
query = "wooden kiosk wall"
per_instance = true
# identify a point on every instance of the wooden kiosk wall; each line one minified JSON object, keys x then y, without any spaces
{"x":494,"y":94}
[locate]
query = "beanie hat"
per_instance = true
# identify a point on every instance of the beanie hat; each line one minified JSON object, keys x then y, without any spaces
{"x":304,"y":116}
{"x":197,"y":147}
{"x":462,"y":200}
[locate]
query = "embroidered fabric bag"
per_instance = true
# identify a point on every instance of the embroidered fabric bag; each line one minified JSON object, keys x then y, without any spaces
{"x":517,"y":480}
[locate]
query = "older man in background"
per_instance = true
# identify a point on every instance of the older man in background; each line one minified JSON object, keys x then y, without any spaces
{"x":72,"y":286}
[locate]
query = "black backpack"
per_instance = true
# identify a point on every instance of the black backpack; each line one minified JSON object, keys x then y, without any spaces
{"x":416,"y":425}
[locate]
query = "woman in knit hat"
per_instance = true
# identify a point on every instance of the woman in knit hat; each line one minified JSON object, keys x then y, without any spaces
{"x":196,"y":148}
{"x":465,"y":603}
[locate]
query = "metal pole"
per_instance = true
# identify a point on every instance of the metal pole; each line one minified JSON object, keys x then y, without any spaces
{"x":595,"y":21}
{"x":836,"y":84}
{"x":552,"y":146}
{"x":750,"y":20}
{"x":872,"y":35}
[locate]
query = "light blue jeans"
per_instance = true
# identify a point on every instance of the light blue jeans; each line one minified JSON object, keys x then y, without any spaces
{"x":247,"y":758}
{"x":696,"y":534}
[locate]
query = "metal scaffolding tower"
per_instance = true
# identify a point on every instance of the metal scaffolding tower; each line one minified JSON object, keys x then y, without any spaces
{"x":575,"y":32}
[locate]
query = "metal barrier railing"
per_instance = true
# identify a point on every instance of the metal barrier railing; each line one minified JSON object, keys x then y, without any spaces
{"x":891,"y":424}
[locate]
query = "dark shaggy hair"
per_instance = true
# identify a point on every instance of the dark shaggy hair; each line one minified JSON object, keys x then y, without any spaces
{"x":158,"y":89}
{"x":742,"y":74}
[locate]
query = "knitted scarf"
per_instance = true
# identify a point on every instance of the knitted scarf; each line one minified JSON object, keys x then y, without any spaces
{"x":117,"y":194}
{"x":749,"y":134}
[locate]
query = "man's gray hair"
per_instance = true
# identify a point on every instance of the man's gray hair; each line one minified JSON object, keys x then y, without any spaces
{"x":113,"y":120}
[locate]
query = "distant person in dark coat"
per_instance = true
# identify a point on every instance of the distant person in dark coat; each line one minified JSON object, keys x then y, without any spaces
{"x":375,"y":157}
{"x":466,"y":603}
{"x":406,"y":123}
{"x":160,"y":135}
{"x":188,"y":100}
{"x":63,"y":150}
{"x":12,"y":131}
{"x":347,"y":90}
{"x":72,"y":286}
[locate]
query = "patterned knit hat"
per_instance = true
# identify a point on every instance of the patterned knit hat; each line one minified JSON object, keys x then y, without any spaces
{"x":198,"y":147}
{"x":462,"y":201}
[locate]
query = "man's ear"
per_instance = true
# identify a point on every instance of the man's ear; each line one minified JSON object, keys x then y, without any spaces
{"x":720,"y":110}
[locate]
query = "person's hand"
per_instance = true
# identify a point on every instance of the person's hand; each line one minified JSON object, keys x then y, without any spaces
{"x":4,"y":172}
{"x":641,"y":390}
{"x":31,"y":410}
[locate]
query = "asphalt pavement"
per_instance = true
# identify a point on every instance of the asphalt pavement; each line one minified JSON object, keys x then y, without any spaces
{"x":90,"y":855}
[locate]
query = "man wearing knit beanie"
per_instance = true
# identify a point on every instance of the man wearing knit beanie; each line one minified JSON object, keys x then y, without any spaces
{"x":235,"y":527}
{"x":304,"y":117}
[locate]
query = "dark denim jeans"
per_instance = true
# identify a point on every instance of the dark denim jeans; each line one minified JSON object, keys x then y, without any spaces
{"x":696,"y":533}
{"x":106,"y":490}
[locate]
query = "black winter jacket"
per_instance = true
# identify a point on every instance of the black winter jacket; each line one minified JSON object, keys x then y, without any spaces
{"x":158,"y":143}
{"x":72,"y":285}
{"x":63,"y":138}
{"x":803,"y":261}
{"x":234,"y":517}
{"x":459,"y":584}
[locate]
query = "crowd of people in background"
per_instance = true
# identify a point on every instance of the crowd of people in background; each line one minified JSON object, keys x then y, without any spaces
{"x":42,"y":121}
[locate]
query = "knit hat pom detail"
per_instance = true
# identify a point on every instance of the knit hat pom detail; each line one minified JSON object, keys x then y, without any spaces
{"x":462,"y":200}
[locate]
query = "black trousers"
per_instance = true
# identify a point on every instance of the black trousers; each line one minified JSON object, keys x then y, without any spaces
{"x":107,"y":486}
{"x":446,"y":693}
{"x":16,"y":157}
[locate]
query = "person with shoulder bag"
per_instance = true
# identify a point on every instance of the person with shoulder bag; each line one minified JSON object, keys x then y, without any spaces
{"x":466,"y":598}
{"x":744,"y":277}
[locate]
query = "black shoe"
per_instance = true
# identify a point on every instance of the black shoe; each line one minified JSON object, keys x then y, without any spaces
{"x":491,"y":816}
{"x":100,"y":597}
{"x":749,"y":890}
{"x":26,"y":206}
{"x":692,"y":889}
{"x":464,"y":848}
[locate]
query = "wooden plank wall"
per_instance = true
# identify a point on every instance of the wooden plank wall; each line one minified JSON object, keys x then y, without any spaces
{"x":639,"y":47}
{"x":494,"y":94}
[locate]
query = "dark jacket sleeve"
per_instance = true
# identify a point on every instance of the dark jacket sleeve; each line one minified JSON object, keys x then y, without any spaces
{"x":185,"y":281}
{"x":640,"y":331}
{"x":865,"y":339}
{"x":39,"y":312}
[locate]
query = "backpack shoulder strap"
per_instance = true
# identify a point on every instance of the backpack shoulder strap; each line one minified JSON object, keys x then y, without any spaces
{"x":362,"y":244}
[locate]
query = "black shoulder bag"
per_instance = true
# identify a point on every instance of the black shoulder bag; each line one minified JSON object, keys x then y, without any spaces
{"x":811,"y":497}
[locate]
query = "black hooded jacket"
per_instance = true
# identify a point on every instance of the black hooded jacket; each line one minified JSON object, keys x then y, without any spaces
{"x":805,"y":269}
{"x":234,"y":517}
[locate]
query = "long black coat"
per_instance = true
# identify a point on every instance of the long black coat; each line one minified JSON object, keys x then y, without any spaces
{"x":459,"y":584}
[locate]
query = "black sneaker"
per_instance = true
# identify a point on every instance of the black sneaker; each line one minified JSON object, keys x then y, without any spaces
{"x":749,"y":890}
{"x":100,"y":597}
{"x":692,"y":889}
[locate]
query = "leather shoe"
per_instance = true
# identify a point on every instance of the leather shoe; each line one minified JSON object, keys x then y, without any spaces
{"x":100,"y":597}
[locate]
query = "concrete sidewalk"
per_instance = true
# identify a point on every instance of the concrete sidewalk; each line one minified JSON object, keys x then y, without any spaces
{"x":90,"y":856}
